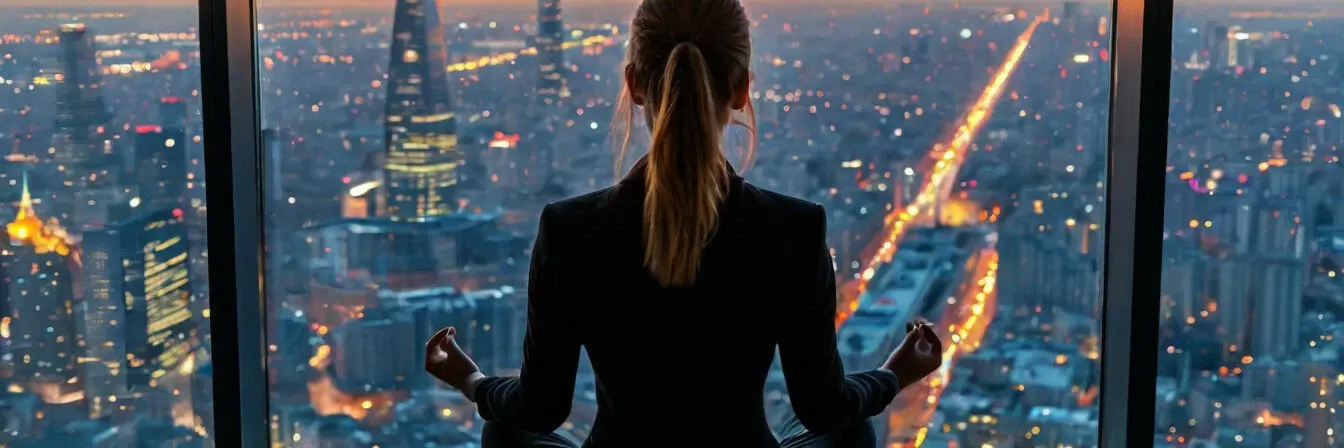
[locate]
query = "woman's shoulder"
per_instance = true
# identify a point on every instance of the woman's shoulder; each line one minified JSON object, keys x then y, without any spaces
{"x":774,"y":205}
{"x":582,"y":204}
{"x":587,"y":213}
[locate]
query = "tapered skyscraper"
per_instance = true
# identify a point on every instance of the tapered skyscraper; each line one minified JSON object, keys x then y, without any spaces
{"x":550,"y":53}
{"x":422,"y":154}
{"x":82,"y":140}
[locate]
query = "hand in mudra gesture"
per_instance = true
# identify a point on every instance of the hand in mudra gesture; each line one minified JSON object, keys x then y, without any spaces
{"x":446,"y":361}
{"x":920,"y":354}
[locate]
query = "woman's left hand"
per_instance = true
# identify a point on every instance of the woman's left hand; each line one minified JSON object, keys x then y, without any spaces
{"x":447,"y":362}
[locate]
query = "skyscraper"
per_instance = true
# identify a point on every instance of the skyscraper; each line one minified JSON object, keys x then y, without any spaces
{"x":421,"y":131}
{"x":1233,"y":296}
{"x":1283,"y":228}
{"x":82,"y":142}
{"x":147,"y":266}
{"x":1276,"y":327}
{"x":359,"y":354}
{"x":550,"y":53}
{"x":160,"y":167}
{"x":172,"y":112}
{"x":36,"y":270}
{"x":1072,"y":10}
{"x":102,"y":322}
{"x":153,"y":275}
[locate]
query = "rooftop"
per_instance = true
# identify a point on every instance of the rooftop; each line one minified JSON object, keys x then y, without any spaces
{"x":455,"y":222}
{"x":1082,"y":417}
{"x":1040,"y":368}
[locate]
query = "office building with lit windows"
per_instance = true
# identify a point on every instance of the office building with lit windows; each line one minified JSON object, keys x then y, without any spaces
{"x":420,"y":169}
{"x":155,"y":280}
{"x":145,"y":355}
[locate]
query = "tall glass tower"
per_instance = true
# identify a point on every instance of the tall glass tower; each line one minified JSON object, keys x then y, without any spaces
{"x":550,"y":53}
{"x":422,"y":154}
{"x":139,"y":329}
{"x":82,"y":141}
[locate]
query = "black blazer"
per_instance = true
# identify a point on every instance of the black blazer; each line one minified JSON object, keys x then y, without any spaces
{"x":682,"y":365}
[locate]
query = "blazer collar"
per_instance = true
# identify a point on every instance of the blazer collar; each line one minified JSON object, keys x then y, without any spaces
{"x":631,"y":188}
{"x":635,"y":178}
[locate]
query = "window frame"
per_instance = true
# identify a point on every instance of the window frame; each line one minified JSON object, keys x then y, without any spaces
{"x":1141,"y":39}
{"x":232,"y":134}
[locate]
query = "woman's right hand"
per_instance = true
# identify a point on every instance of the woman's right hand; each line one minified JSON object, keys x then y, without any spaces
{"x":446,"y":361}
{"x":920,"y":354}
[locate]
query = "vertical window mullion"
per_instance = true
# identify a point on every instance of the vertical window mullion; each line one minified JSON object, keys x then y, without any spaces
{"x":230,"y":115}
{"x":1141,"y":73}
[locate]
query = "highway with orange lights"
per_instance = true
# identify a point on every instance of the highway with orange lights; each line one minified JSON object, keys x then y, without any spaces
{"x":946,"y":160}
{"x":965,"y":321}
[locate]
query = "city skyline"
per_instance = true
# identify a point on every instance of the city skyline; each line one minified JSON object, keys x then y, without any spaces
{"x":960,"y":153}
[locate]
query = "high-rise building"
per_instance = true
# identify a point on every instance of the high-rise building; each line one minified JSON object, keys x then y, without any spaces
{"x":155,"y":280}
{"x":1276,"y":326}
{"x":1232,"y":295}
{"x":361,"y":360}
{"x":1071,"y":9}
{"x":160,"y":167}
{"x":550,"y":53}
{"x":1282,"y":228}
{"x":36,"y":268}
{"x":1183,"y":283}
{"x":421,"y":131}
{"x":1210,"y":33}
{"x":1071,"y":16}
{"x":494,"y":329}
{"x":82,"y":140}
{"x":1230,"y":49}
{"x":102,"y":323}
{"x":535,"y":157}
{"x":172,"y":112}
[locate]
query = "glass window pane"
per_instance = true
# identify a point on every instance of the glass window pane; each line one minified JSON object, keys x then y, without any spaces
{"x":1250,"y":281}
{"x":104,"y":295}
{"x":408,"y":149}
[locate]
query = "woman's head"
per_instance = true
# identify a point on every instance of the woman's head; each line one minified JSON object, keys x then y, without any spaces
{"x":688,"y":68}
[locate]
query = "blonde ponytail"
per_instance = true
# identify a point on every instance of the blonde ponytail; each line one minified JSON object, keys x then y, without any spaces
{"x":686,"y":92}
{"x":687,"y":175}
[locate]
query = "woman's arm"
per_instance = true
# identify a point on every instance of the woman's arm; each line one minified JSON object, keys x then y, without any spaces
{"x":823,"y":397}
{"x":539,"y":398}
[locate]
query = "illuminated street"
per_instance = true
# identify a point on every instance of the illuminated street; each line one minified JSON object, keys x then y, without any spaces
{"x":965,"y":322}
{"x":944,"y":160}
